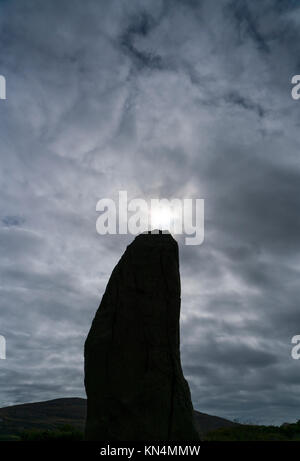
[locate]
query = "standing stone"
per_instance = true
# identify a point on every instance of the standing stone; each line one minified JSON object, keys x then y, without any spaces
{"x":134,"y":382}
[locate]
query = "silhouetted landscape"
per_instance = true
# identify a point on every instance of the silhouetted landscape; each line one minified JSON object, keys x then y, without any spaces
{"x":133,"y":375}
{"x":64,"y":419}
{"x":68,"y":416}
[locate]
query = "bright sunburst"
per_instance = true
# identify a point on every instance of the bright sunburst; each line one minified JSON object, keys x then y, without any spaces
{"x":161,"y":218}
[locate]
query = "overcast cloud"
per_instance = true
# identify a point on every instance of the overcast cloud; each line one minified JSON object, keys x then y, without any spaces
{"x":162,"y":99}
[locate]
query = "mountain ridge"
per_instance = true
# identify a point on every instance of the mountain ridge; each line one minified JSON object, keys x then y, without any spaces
{"x":52,"y":414}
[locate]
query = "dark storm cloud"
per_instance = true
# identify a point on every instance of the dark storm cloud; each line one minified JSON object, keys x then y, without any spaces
{"x":13,"y":220}
{"x":162,"y":99}
{"x":246,"y":24}
{"x":140,"y":26}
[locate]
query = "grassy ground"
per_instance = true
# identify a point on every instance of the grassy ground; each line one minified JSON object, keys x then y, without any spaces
{"x":286,"y":432}
{"x":65,"y":433}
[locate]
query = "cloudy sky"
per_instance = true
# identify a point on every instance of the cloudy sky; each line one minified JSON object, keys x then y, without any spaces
{"x":162,"y":98}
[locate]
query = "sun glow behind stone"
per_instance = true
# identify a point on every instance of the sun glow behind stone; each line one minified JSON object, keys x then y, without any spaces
{"x":161,"y":217}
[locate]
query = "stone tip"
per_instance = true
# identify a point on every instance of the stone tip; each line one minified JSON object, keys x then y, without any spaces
{"x":156,"y":235}
{"x":156,"y":232}
{"x":154,"y":240}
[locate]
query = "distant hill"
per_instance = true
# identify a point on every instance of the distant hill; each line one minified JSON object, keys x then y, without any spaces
{"x":50,"y":415}
{"x":54,"y":414}
{"x":206,"y":423}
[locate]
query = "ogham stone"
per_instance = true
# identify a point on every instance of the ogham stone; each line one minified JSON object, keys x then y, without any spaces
{"x":133,"y":377}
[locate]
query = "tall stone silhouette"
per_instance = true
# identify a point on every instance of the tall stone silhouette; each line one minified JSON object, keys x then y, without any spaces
{"x":133,"y":377}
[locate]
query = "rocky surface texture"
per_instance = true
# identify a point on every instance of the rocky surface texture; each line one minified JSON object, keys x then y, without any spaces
{"x":133,"y":376}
